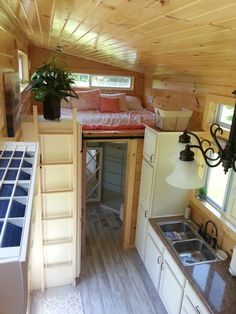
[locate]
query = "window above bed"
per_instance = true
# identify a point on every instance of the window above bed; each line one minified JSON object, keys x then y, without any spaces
{"x":104,"y":81}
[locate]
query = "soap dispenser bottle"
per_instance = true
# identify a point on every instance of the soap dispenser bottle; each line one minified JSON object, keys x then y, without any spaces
{"x":232,"y":266}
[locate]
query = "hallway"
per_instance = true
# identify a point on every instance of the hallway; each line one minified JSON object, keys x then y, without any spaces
{"x":113,"y":281}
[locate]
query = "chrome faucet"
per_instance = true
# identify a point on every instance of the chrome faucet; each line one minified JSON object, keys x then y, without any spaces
{"x":212,"y":240}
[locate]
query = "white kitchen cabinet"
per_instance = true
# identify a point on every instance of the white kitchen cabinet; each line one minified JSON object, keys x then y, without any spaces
{"x":145,"y":192}
{"x":156,"y":197}
{"x":172,"y":283}
{"x":150,"y":143}
{"x":141,"y":231}
{"x":187,"y":306}
{"x":153,"y":256}
{"x":144,"y":206}
{"x":166,"y":199}
{"x":192,"y":304}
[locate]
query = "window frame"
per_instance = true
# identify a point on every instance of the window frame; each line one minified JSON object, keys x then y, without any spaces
{"x":228,"y":210}
{"x":225,"y":202}
{"x":106,"y":87}
{"x":23,"y":68}
{"x":219,"y":112}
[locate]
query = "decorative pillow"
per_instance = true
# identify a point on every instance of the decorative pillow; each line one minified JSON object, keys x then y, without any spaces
{"x":88,"y":100}
{"x":109,"y":104}
{"x":65,"y":104}
{"x":121,"y":96}
{"x":133,"y":102}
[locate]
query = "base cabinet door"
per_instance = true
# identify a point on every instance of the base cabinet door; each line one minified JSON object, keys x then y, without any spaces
{"x":141,"y":231}
{"x":187,"y":306}
{"x":145,"y":191}
{"x":192,"y":304}
{"x":171,"y":285}
{"x":153,"y":260}
{"x":150,"y":145}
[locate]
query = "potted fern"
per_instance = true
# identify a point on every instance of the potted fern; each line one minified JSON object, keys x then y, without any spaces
{"x":50,"y":84}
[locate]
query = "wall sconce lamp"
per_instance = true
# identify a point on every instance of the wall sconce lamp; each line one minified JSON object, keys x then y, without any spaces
{"x":185,"y":173}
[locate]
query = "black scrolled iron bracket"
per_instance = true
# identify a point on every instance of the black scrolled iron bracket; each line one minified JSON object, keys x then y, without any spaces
{"x":234,"y":166}
{"x":226,"y":155}
{"x":211,"y":162}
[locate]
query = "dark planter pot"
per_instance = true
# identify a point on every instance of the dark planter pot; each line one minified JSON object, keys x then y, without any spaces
{"x":51,"y":108}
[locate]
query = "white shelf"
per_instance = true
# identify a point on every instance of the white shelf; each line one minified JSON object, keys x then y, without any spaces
{"x":17,"y":175}
{"x":18,"y":163}
{"x":57,"y":217}
{"x":58,"y":265}
{"x":57,"y":241}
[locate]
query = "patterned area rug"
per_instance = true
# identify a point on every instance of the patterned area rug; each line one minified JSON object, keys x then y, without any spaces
{"x":57,"y":300}
{"x":106,"y":217}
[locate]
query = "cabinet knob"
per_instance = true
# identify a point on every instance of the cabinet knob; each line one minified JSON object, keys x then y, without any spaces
{"x":198,"y":309}
{"x":159,"y":260}
{"x":146,"y":213}
{"x":151,"y":158}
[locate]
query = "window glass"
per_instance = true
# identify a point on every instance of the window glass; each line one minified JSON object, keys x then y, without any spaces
{"x":225,"y":115}
{"x":20,"y":67}
{"x":111,"y":81}
{"x":216,"y":185}
{"x":23,"y":69}
{"x":81,"y":80}
{"x":107,"y":81}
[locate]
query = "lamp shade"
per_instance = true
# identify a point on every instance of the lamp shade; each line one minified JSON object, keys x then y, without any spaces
{"x":185,"y":175}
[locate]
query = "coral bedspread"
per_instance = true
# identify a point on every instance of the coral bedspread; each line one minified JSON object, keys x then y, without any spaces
{"x":96,"y":120}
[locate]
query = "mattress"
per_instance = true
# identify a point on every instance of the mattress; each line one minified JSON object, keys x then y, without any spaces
{"x":96,"y":120}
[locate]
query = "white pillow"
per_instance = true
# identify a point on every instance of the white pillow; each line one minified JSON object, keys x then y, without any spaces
{"x":133,"y":102}
{"x":123,"y":103}
{"x":88,"y":100}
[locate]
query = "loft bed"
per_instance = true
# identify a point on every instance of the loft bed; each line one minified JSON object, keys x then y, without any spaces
{"x":109,"y":115}
{"x":123,"y":124}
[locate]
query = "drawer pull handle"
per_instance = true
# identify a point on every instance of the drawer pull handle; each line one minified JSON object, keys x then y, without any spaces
{"x":151,"y":158}
{"x":159,"y":260}
{"x":162,"y":266}
{"x":146,"y":213}
{"x":198,"y":309}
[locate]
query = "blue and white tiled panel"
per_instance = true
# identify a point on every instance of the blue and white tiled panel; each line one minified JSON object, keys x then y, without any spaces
{"x":16,"y":162}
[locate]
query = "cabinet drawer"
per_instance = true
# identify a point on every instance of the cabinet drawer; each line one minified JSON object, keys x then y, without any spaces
{"x":175,"y":268}
{"x":150,"y":145}
{"x":156,"y":239}
{"x":195,"y":300}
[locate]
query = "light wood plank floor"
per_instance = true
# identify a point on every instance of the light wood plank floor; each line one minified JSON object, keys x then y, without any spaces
{"x":113,"y":281}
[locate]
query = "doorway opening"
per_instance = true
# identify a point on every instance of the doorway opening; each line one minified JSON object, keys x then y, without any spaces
{"x":105,"y":178}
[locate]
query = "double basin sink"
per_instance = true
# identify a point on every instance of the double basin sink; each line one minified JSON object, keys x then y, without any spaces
{"x":187,"y":243}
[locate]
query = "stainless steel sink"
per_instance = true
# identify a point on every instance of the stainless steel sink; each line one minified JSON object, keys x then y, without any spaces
{"x":177,"y":231}
{"x":187,"y":243}
{"x":192,"y":252}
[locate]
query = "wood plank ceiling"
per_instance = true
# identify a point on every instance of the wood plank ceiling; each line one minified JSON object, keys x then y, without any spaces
{"x":160,"y":37}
